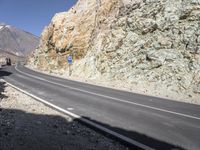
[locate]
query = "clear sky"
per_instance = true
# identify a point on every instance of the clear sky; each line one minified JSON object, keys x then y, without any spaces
{"x":31,"y":15}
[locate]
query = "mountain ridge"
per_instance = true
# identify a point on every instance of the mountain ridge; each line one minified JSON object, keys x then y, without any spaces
{"x":17,"y":41}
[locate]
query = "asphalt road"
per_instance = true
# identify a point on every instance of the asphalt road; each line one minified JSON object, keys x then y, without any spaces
{"x":154,"y":122}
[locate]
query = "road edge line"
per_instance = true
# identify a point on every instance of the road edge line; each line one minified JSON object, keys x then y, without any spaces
{"x":84,"y":120}
{"x":109,"y":97}
{"x":110,"y":87}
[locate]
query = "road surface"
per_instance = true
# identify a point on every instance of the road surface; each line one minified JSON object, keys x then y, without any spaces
{"x":150,"y":121}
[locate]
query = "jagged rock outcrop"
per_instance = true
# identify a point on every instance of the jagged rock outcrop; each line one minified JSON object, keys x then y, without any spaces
{"x":153,"y":43}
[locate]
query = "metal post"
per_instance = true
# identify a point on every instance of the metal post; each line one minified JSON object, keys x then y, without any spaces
{"x":70,"y":69}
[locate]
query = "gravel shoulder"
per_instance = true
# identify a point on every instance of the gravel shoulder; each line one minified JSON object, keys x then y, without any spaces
{"x":28,"y":124}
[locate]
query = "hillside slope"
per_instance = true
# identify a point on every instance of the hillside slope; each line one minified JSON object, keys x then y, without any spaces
{"x":152,"y":44}
{"x":17,"y":41}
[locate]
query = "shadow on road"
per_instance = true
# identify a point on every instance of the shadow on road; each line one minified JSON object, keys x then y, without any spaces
{"x":21,"y":131}
{"x":2,"y":88}
{"x":151,"y":142}
{"x":3,"y":73}
{"x":27,"y":131}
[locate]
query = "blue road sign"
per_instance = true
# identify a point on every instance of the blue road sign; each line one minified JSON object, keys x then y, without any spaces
{"x":70,"y":59}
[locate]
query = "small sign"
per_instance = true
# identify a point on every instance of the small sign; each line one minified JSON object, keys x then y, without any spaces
{"x":70,"y":59}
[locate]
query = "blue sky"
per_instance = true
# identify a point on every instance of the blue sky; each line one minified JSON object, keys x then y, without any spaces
{"x":31,"y":15}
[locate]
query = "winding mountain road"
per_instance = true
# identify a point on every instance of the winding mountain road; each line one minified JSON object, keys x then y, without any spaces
{"x":144,"y":121}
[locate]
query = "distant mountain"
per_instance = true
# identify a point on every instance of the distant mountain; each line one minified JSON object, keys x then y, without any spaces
{"x":17,"y":41}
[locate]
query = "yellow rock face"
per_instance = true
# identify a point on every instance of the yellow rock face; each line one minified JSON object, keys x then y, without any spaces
{"x":72,"y":32}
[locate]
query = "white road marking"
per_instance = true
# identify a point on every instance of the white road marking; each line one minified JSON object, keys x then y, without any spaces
{"x":109,"y":97}
{"x":70,"y":108}
{"x":122,"y":137}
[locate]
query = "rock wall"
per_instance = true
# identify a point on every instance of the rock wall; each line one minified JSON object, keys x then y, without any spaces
{"x":72,"y":32}
{"x":150,"y":43}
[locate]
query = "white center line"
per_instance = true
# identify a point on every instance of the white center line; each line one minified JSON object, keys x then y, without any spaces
{"x":70,"y":108}
{"x":109,"y":97}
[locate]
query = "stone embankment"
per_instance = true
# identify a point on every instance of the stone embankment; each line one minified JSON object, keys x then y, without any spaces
{"x":151,"y":46}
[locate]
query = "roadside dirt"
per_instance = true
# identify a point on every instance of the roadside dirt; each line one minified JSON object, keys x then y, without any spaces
{"x":26,"y":124}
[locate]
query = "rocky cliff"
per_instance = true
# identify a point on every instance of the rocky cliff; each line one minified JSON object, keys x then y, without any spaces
{"x":144,"y":43}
